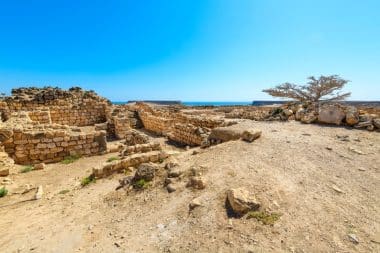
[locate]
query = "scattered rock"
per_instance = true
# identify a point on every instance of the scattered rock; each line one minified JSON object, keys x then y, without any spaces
{"x":287,"y":112}
{"x":343,"y":137}
{"x":4,"y":172}
{"x":171,"y":165}
{"x":337,"y":189}
{"x":39,"y":193}
{"x":195,"y":152}
{"x":195,"y":203}
{"x":39,"y":166}
{"x":171,"y":188}
{"x":242,"y":201}
{"x":174,"y":172}
{"x":169,"y":180}
{"x":329,"y":148}
{"x":359,"y":152}
{"x":197,"y":182}
{"x":145,"y":171}
{"x":309,"y":118}
{"x":6,"y":181}
{"x":364,"y":124}
{"x":353,"y":238}
{"x":126,"y":181}
{"x":362,"y":169}
{"x":251,"y":134}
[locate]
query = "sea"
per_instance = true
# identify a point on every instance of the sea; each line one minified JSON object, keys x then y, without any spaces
{"x":218,"y":103}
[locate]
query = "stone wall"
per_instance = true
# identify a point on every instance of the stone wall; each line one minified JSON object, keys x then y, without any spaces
{"x":40,"y":115}
{"x":180,"y":127}
{"x":74,"y":107}
{"x":189,"y":134}
{"x":52,"y":145}
{"x":29,"y":142}
{"x":129,"y":161}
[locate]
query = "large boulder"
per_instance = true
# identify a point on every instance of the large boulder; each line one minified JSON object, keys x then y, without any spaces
{"x":242,"y":201}
{"x":145,"y":171}
{"x":352,"y":115}
{"x":331,"y":114}
{"x":224,"y":134}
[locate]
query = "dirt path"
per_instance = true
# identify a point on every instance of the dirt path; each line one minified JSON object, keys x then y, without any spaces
{"x":324,"y":181}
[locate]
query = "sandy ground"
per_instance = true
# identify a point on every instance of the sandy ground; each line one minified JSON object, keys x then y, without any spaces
{"x":324,"y":181}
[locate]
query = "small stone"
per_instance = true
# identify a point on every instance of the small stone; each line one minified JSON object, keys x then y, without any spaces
{"x":39,"y":166}
{"x":117,"y":244}
{"x":171,"y":165}
{"x":39,"y":193}
{"x":174,"y":172}
{"x":353,"y":238}
{"x":359,"y":152}
{"x":197,"y":182}
{"x":337,"y":189}
{"x":195,"y":203}
{"x":362,"y":169}
{"x":6,"y":181}
{"x":171,"y":188}
{"x":242,"y":201}
{"x":329,"y":148}
{"x":4,"y":172}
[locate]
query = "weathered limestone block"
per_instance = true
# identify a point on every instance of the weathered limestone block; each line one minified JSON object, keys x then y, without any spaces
{"x":331,"y":114}
{"x":242,"y":201}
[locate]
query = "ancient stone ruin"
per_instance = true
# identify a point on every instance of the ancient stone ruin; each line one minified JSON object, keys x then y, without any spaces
{"x":46,"y":125}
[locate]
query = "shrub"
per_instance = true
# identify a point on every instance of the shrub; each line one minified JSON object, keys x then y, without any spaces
{"x":141,"y":184}
{"x":70,"y":159}
{"x":264,"y":217}
{"x":64,"y":191}
{"x":113,"y":158}
{"x":3,"y":192}
{"x":26,"y":169}
{"x":87,"y":180}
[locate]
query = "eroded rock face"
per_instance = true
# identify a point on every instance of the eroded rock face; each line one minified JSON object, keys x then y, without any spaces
{"x":331,"y":114}
{"x":352,"y":115}
{"x":242,"y":201}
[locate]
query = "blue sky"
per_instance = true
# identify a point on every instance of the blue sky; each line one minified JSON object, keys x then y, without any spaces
{"x":192,"y":50}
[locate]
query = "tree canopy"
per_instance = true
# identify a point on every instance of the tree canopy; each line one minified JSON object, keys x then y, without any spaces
{"x":324,"y":88}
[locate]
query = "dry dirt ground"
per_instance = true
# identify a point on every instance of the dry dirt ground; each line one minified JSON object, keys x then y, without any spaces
{"x":324,"y":181}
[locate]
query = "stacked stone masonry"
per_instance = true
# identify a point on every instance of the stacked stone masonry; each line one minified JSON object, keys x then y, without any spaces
{"x":129,"y":161}
{"x":52,"y":145}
